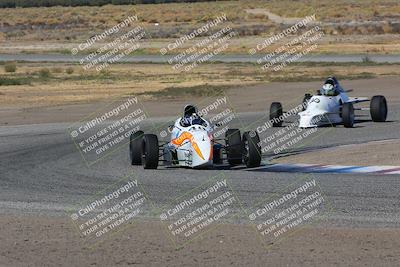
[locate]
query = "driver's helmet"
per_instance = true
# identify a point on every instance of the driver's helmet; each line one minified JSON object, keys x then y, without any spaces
{"x":190,"y":116}
{"x":189,"y":110}
{"x":328,"y":89}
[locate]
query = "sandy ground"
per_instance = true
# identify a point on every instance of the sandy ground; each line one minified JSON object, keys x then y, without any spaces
{"x":49,"y":241}
{"x":373,"y":153}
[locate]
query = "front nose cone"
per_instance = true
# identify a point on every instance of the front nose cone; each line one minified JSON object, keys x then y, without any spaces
{"x":202,"y":148}
{"x":305,"y":121}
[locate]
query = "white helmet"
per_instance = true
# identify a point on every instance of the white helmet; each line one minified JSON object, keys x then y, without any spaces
{"x":328,"y":89}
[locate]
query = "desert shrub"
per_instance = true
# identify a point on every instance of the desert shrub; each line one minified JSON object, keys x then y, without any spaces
{"x":13,"y":81}
{"x":44,"y":73}
{"x":10,"y":67}
{"x":69,"y":70}
{"x":57,"y":70}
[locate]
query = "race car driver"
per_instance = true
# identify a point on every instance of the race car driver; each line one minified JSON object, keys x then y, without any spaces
{"x":191,"y":117}
{"x":331,"y":87}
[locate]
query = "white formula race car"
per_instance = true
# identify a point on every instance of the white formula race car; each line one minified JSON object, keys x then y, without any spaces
{"x":331,"y":106}
{"x":192,"y":145}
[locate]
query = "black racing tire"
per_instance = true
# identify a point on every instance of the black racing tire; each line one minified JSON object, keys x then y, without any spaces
{"x":275,"y":111}
{"x":252,"y":149}
{"x":378,"y":108}
{"x":348,"y":115}
{"x":150,"y":151}
{"x":234,"y":146}
{"x":135,"y":147}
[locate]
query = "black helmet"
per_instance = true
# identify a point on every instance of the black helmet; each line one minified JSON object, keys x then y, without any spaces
{"x":189,"y":110}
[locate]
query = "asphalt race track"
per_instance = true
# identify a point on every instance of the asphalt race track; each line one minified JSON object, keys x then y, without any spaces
{"x":42,"y":172}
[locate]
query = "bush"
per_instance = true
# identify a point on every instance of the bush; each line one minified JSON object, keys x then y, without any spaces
{"x":44,"y":73}
{"x":69,"y":70}
{"x":10,"y":67}
{"x":13,"y":81}
{"x":57,"y":70}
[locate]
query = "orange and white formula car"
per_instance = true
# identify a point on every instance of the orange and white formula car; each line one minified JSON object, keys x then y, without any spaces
{"x":192,"y":145}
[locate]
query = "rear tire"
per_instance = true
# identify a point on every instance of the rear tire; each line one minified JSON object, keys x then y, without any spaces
{"x":135,"y":147}
{"x":150,"y":151}
{"x":234,"y":147}
{"x":348,"y":115}
{"x":379,"y":108}
{"x":252,"y":149}
{"x":275,"y":111}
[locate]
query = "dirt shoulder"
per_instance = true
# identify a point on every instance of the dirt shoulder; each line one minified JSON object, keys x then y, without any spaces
{"x":384,"y":153}
{"x":39,"y":241}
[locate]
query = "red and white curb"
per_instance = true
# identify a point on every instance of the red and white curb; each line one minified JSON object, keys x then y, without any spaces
{"x":316,"y":168}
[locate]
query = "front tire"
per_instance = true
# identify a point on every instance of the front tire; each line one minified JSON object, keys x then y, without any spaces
{"x":378,"y":108}
{"x":135,"y":147}
{"x":234,"y":148}
{"x":275,"y":112}
{"x":252,"y":149}
{"x":348,"y":115}
{"x":150,"y":151}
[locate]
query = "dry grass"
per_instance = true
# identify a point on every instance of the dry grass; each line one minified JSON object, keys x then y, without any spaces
{"x":109,"y":15}
{"x":79,"y":23}
{"x":62,"y":28}
{"x":363,"y":44}
{"x":344,"y":10}
{"x":173,"y":13}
